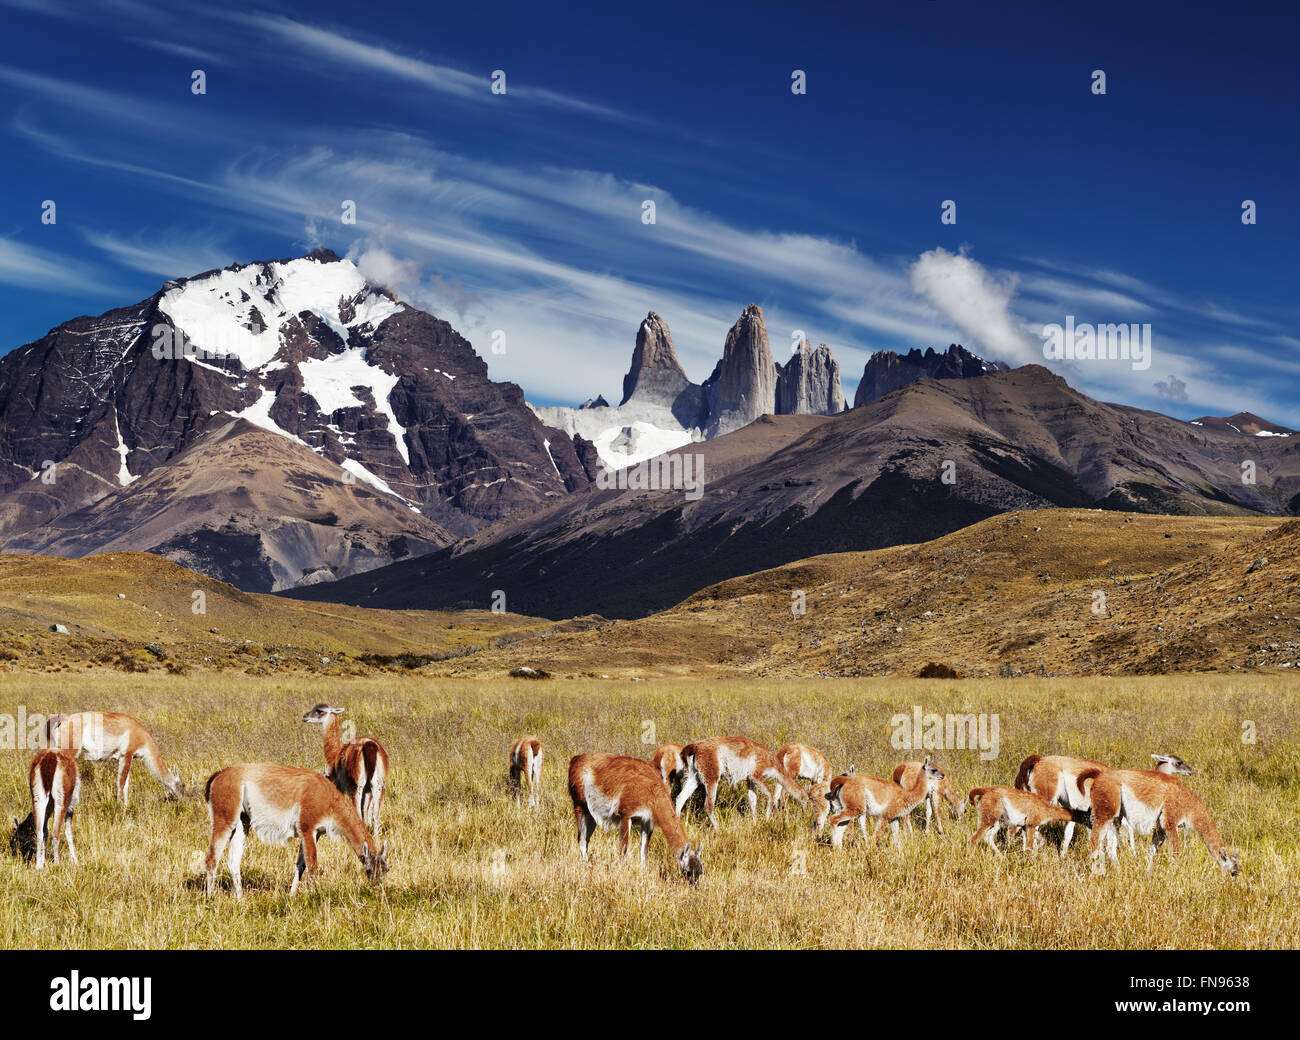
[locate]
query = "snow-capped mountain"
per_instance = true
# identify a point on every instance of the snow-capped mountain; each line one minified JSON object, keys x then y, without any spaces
{"x":375,"y":399}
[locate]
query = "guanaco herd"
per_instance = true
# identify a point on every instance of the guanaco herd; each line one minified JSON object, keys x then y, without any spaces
{"x":279,"y":803}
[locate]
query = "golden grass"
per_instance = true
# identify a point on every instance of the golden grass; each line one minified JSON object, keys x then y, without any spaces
{"x":473,"y":868}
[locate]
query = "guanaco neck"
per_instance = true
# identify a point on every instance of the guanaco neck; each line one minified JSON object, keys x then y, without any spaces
{"x":1198,"y":817}
{"x":919,"y":789}
{"x":666,"y":820}
{"x":333,"y":740}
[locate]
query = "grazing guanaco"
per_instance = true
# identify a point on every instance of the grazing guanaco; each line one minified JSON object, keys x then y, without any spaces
{"x":526,"y":767}
{"x":613,"y":790}
{"x":1154,"y":803}
{"x":668,"y":760}
{"x":800,"y":762}
{"x":1054,"y":777}
{"x":905,"y":776}
{"x":55,"y":786}
{"x":359,"y":768}
{"x":857,"y":797}
{"x":737,"y":760}
{"x":279,"y":803}
{"x":98,"y":735}
{"x":1013,"y":808}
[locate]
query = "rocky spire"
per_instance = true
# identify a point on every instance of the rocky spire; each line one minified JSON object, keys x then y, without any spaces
{"x":743,"y":385}
{"x":809,"y":384}
{"x":655,"y":373}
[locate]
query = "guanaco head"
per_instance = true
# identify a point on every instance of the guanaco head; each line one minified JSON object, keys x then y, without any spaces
{"x":955,"y":801}
{"x":22,"y":842}
{"x":376,"y":864}
{"x":1173,"y":765}
{"x":933,"y":774}
{"x":1228,"y":863}
{"x":691,"y":861}
{"x":319,"y":714}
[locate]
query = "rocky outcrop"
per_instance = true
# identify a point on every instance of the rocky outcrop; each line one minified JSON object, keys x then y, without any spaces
{"x":887,"y":371}
{"x":743,"y":385}
{"x":809,"y":384}
{"x":657,"y":377}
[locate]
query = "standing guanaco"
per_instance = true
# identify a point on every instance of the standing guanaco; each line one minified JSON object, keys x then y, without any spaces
{"x":613,"y":790}
{"x":857,"y":797}
{"x":1013,"y":808}
{"x":526,"y":766}
{"x":737,"y":760}
{"x":279,"y":803}
{"x":359,"y":768}
{"x":800,"y":762}
{"x":667,"y":758}
{"x":905,"y":776}
{"x":55,"y":786}
{"x":1154,"y":803}
{"x":97,"y":735}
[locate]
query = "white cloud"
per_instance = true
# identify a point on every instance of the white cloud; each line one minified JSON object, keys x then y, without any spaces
{"x":977,"y":302}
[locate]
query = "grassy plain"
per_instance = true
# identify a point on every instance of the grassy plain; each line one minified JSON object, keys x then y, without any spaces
{"x":473,"y":868}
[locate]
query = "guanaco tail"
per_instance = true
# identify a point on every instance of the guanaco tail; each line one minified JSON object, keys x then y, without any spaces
{"x":526,"y":766}
{"x":1013,"y":808}
{"x":905,"y":776}
{"x":358,"y":768}
{"x":801,"y":762}
{"x":857,"y":797}
{"x":613,"y":790}
{"x":279,"y":803}
{"x":55,"y":787}
{"x":98,"y":735}
{"x":737,"y":760}
{"x":1152,"y":802}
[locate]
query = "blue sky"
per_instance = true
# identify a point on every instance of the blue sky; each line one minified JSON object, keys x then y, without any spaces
{"x":523,"y":212}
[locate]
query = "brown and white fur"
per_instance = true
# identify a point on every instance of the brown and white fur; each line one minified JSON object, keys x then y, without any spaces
{"x":613,"y":790}
{"x":526,"y":767}
{"x":359,"y":768}
{"x":279,"y":803}
{"x":737,"y":760}
{"x":667,"y":758}
{"x":801,"y":762}
{"x":1014,"y":809}
{"x":1153,"y":802}
{"x":55,"y":786}
{"x":99,"y":735}
{"x":905,"y":776}
{"x":857,"y":797}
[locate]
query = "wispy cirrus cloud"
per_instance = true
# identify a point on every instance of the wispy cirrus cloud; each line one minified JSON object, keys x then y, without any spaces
{"x":31,"y":267}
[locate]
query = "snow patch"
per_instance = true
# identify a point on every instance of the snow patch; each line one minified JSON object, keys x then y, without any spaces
{"x":124,"y":476}
{"x":330,"y":381}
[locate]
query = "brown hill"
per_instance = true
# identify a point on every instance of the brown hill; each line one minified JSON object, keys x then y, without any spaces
{"x":1016,"y":594}
{"x":788,"y":487}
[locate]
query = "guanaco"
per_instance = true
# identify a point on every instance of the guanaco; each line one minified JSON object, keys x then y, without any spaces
{"x":279,"y":803}
{"x":55,"y":786}
{"x":613,"y":790}
{"x":737,"y":760}
{"x":857,"y":797}
{"x":905,"y":776}
{"x":1154,"y":803}
{"x":667,"y":758}
{"x":800,"y":762}
{"x":526,"y":766}
{"x":1013,"y":808}
{"x":98,"y":735}
{"x":359,"y":768}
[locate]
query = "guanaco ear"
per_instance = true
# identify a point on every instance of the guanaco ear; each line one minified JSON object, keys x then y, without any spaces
{"x":383,"y":849}
{"x":365,"y":852}
{"x":16,"y":824}
{"x":335,"y":711}
{"x":852,"y":769}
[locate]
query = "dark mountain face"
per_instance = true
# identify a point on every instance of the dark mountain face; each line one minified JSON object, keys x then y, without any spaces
{"x":886,"y":371}
{"x":922,"y":461}
{"x":1247,"y":424}
{"x":385,"y":395}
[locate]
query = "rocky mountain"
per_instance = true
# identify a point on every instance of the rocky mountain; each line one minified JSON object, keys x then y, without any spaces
{"x":1246,"y":423}
{"x":887,"y":370}
{"x":742,"y":386}
{"x":809,"y":384}
{"x":382,"y":394}
{"x":657,"y":377}
{"x":931,"y":457}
